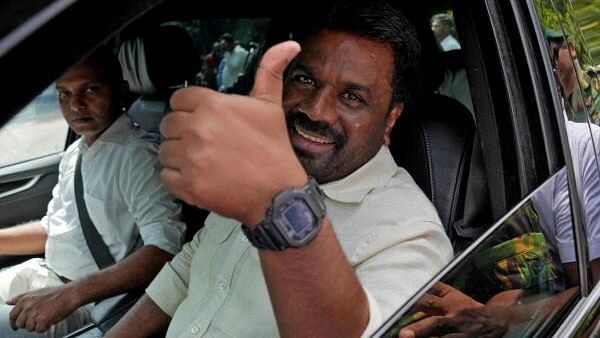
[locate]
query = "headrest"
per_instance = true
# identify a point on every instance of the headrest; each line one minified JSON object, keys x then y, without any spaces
{"x":162,"y":58}
{"x":434,"y":145}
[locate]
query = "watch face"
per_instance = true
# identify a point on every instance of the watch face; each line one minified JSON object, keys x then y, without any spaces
{"x":299,"y":216}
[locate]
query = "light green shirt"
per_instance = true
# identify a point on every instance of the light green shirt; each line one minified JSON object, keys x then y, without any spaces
{"x":387,"y":227}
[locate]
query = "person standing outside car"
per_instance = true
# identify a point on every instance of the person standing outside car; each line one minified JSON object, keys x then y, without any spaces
{"x":442,"y":26}
{"x":234,"y":61}
{"x":329,"y":256}
{"x":130,"y":208}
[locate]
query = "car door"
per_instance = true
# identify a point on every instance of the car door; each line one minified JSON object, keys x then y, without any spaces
{"x":31,"y":144}
{"x":573,"y":65}
{"x":528,"y":274}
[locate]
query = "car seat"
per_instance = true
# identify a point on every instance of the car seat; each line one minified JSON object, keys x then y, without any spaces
{"x":435,"y":145}
{"x":154,"y":65}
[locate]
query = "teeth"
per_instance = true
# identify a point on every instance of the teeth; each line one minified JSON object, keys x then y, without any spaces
{"x":313,"y":138}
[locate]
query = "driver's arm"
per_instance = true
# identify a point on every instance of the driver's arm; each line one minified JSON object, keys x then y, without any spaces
{"x":24,"y":239}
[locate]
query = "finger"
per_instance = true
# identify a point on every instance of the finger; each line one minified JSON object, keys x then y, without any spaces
{"x":268,"y":84}
{"x":19,"y":321}
{"x":14,"y":315}
{"x":188,"y":98}
{"x":430,"y":326}
{"x":174,"y":123}
{"x":15,"y":300}
{"x":171,"y":154}
{"x":30,"y":324}
{"x":440,"y":289}
{"x":432,"y":305}
{"x":175,"y":184}
{"x":454,"y":335}
{"x":406,"y":333}
{"x":42,"y":326}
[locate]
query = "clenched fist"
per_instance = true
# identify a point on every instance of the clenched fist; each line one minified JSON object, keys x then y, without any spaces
{"x":230,"y":153}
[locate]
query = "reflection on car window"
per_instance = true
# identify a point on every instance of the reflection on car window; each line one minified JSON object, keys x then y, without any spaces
{"x":229,"y":49}
{"x":577,"y":82}
{"x":442,"y":26}
{"x":37,"y":130}
{"x":511,"y":284}
{"x":455,"y":83}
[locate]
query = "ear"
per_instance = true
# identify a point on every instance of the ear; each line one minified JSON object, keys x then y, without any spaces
{"x":390,"y":121}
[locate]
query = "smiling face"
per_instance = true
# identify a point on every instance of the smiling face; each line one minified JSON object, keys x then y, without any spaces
{"x":87,"y":100}
{"x":337,"y":98}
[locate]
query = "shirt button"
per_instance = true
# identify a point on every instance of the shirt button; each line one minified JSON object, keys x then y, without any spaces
{"x":222,"y":286}
{"x":244,"y":239}
{"x":195,"y":330}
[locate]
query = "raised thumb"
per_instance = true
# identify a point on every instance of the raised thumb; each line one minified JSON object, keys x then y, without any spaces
{"x":268,"y":83}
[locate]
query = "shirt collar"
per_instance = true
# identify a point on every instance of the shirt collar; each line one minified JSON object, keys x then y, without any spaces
{"x":115,"y":133}
{"x":373,"y":174}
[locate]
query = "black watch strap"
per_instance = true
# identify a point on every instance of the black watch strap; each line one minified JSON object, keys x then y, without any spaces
{"x":265,"y":236}
{"x":268,"y":236}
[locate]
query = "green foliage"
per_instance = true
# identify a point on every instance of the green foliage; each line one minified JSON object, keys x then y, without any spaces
{"x":579,"y":19}
{"x":587,"y":15}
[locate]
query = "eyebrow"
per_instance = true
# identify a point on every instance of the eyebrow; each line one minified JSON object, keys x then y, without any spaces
{"x":93,"y":82}
{"x":302,"y":67}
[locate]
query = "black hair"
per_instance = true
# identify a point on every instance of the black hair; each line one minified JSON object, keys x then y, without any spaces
{"x":377,"y":20}
{"x":107,"y":61}
{"x":227,"y":37}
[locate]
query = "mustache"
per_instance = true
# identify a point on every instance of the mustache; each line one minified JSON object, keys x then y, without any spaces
{"x":297,"y":118}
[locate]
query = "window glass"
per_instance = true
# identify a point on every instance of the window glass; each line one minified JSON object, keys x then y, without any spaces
{"x":455,"y":83}
{"x":581,"y":107}
{"x":36,"y":131}
{"x":514,"y":283}
{"x":444,"y":30}
{"x":212,"y":38}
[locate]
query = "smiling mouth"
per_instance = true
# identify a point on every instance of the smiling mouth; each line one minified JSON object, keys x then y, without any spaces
{"x":313,"y":137}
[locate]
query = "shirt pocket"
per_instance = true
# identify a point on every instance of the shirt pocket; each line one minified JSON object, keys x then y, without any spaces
{"x":247,"y":299}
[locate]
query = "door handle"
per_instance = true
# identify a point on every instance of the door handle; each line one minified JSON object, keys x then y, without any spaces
{"x":28,"y":184}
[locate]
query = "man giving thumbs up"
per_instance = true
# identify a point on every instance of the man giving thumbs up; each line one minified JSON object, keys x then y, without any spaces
{"x":315,"y":231}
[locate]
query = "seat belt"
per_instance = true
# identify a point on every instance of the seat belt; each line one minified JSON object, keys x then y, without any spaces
{"x":94,"y":241}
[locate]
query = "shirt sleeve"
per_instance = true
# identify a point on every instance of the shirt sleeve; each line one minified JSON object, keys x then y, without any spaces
{"x":55,"y":203}
{"x":590,"y":184}
{"x":397,"y":266}
{"x":562,"y":217}
{"x":156,"y":212}
{"x":170,"y":286}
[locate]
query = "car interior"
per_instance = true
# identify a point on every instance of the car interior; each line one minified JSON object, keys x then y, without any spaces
{"x":472,"y":141}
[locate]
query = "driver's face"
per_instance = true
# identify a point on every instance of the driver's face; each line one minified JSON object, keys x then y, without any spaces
{"x":88,"y":102}
{"x":337,"y":101}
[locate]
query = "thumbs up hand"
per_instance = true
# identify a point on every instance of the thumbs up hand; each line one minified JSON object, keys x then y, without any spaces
{"x":230,"y":153}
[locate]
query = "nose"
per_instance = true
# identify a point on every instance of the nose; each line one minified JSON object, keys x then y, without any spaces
{"x":77,"y":103}
{"x":321,"y":105}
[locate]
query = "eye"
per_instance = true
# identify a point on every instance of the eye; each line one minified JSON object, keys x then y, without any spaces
{"x":91,"y":89}
{"x":63,"y":95}
{"x":304,"y":79}
{"x":351,"y":96}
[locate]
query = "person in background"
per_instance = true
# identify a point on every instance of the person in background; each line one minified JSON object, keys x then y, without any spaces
{"x":233,"y":62}
{"x":442,"y":26}
{"x":138,"y":220}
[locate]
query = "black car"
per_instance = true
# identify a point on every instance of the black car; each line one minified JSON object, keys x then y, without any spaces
{"x":503,"y":139}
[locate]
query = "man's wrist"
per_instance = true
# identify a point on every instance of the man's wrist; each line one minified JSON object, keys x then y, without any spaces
{"x":75,"y":293}
{"x":260,"y":211}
